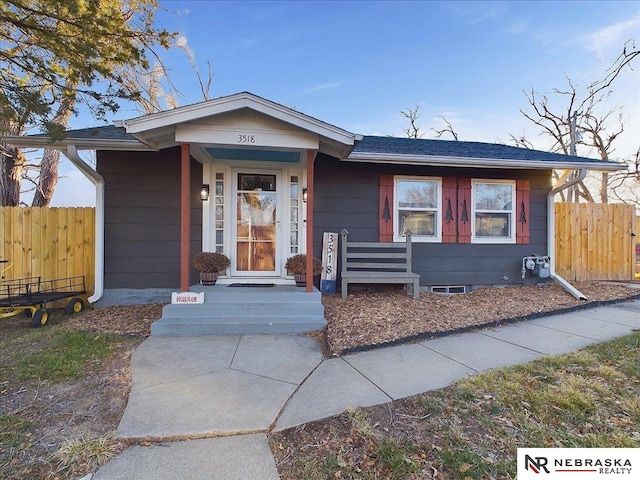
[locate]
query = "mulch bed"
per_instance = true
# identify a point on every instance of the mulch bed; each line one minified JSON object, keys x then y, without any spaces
{"x":368,"y":320}
{"x":371,"y":319}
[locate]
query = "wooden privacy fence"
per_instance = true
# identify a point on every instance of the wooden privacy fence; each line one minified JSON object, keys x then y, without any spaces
{"x":48,"y":242}
{"x":595,"y":241}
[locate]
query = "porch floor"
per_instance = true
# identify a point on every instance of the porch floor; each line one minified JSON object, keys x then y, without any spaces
{"x":243,"y":310}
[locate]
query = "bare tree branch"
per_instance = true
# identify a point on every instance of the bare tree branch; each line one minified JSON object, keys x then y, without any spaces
{"x":597,"y":130}
{"x":413,"y":131}
{"x":447,"y":129}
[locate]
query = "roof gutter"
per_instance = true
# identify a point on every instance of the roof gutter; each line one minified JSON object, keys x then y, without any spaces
{"x":79,"y":143}
{"x":94,"y":177}
{"x":435,"y":160}
{"x":551,"y":230}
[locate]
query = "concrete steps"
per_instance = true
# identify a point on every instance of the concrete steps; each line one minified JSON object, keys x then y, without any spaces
{"x":279,"y":309}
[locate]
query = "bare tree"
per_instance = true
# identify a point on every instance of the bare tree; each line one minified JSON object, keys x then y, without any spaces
{"x":625,"y":186}
{"x":447,"y":129}
{"x":12,"y":163}
{"x":521,"y":142}
{"x":205,"y":84}
{"x":48,"y":168}
{"x":581,"y":112}
{"x":157,"y":90}
{"x":413,"y":131}
{"x":56,"y":55}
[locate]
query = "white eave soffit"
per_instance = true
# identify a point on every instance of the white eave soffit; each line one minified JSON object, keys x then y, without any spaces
{"x":481,"y":162}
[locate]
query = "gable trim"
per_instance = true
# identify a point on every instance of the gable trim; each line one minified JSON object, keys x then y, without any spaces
{"x":235,"y":102}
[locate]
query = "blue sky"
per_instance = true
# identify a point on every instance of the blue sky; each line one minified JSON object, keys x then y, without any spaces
{"x":358,"y":64}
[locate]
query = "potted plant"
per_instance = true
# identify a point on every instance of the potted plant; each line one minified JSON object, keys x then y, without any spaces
{"x":209,"y":264}
{"x":297,"y":265}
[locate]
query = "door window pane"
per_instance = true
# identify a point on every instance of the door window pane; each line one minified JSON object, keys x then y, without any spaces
{"x":249,"y":182}
{"x":256,"y":223}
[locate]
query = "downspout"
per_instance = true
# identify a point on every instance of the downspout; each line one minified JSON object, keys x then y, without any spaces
{"x":94,"y":177}
{"x":551,"y":233}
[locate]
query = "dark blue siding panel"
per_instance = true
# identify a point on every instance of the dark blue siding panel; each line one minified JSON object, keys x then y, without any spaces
{"x":142,"y":218}
{"x":347,"y":197}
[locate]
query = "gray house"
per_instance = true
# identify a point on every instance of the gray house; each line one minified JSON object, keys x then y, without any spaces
{"x":259,"y":181}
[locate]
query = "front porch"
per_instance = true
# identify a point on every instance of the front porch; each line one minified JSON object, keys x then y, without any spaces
{"x":233,"y":309}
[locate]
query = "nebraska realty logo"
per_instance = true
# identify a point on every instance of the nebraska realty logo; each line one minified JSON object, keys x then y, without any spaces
{"x":580,"y":463}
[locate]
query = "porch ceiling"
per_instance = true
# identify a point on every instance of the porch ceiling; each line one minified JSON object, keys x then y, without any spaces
{"x":256,"y":155}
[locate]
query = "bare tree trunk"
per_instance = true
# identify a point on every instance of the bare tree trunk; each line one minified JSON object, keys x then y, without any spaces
{"x":604,"y":188}
{"x":48,"y":178}
{"x":12,"y":162}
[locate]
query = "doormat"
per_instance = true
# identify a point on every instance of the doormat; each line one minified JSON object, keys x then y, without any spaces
{"x":252,"y":284}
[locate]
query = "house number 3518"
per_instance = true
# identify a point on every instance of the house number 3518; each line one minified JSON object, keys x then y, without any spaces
{"x":242,"y":138}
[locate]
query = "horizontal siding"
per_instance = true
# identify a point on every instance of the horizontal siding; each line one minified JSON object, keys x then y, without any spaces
{"x":333,"y":212}
{"x":152,"y":215}
{"x":143,"y":199}
{"x":142,"y":218}
{"x":469,"y":264}
{"x":130,"y":183}
{"x":149,"y":247}
{"x":145,"y":264}
{"x":139,"y":280}
{"x":437,"y":263}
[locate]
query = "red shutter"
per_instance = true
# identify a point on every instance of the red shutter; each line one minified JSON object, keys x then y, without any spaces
{"x":449,"y":210}
{"x":464,"y":210}
{"x":385,"y":216}
{"x":522,"y":211}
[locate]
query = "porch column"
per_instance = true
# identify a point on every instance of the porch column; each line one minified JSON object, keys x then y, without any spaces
{"x":185,"y":214}
{"x":311,"y":156}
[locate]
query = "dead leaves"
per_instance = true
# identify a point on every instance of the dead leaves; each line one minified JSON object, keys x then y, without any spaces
{"x":129,"y":320}
{"x":369,"y":318}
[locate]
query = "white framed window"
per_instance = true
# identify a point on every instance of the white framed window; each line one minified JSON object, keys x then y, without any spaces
{"x":493,"y":204}
{"x":295,"y":214}
{"x":417,"y":207}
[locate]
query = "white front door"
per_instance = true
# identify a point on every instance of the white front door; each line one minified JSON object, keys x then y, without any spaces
{"x":256,"y":223}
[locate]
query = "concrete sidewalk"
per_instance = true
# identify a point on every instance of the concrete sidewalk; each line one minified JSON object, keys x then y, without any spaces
{"x":225,"y":393}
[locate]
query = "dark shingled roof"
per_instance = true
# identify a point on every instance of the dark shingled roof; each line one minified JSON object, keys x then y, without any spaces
{"x":386,"y":145}
{"x":106,"y":132}
{"x":450,"y":148}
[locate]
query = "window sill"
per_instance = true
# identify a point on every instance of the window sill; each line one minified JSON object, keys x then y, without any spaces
{"x":415,"y":239}
{"x":494,"y":241}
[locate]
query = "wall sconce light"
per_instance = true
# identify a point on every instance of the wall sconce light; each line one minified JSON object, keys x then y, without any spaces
{"x":204,"y":193}
{"x":304,"y":195}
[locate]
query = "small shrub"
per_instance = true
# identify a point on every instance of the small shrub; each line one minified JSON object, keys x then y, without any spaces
{"x":210,"y":262}
{"x":298,"y":264}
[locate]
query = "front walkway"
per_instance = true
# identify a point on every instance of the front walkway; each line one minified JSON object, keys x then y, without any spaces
{"x":235,"y":389}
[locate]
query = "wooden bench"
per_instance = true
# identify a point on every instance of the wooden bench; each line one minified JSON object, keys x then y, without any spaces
{"x":375,"y":262}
